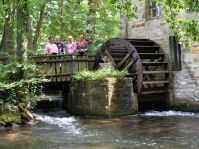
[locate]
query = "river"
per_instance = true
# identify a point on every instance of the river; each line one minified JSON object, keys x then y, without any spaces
{"x":59,"y":130}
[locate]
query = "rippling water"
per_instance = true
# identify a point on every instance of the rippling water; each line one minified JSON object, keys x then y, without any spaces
{"x":59,"y":130}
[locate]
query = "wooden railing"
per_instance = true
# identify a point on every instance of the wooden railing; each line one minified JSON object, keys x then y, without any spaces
{"x":60,"y":68}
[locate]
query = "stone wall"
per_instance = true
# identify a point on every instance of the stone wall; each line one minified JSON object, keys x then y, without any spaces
{"x":147,"y":27}
{"x":184,"y":89}
{"x":109,"y":97}
{"x":186,"y":84}
{"x":155,"y":29}
{"x":195,"y":48}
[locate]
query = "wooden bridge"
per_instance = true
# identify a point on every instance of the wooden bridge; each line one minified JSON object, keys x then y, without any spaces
{"x":144,"y":60}
{"x":60,"y":68}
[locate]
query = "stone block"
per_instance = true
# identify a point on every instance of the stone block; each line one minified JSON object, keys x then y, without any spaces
{"x":110,"y":97}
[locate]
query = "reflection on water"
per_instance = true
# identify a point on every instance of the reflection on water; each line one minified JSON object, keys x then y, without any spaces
{"x":159,"y":130}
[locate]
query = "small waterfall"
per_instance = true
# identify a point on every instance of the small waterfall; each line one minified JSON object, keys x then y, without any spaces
{"x":49,"y":101}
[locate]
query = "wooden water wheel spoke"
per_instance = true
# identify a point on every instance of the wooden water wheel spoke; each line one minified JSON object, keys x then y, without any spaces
{"x":131,"y":63}
{"x":125,"y":58}
{"x":110,"y":57}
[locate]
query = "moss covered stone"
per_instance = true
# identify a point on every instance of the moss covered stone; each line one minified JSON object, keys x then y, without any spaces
{"x":109,"y":97}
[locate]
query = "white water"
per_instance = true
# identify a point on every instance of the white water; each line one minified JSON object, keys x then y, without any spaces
{"x":170,"y":113}
{"x":68,"y":123}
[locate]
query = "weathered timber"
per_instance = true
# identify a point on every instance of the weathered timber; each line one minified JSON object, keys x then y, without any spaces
{"x":60,"y":68}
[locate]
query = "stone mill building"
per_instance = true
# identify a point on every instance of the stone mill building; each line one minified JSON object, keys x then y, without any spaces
{"x":184,"y":89}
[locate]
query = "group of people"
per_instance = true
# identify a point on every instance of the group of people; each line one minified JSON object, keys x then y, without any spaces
{"x":55,"y":46}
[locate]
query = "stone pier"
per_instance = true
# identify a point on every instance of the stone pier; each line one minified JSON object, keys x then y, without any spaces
{"x":109,"y":97}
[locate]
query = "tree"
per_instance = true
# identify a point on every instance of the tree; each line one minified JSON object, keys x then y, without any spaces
{"x":62,"y":18}
{"x":7,"y":44}
{"x":185,"y":29}
{"x":123,"y":24}
{"x":29,"y":30}
{"x":21,"y":35}
{"x":92,"y":17}
{"x":39,"y":25}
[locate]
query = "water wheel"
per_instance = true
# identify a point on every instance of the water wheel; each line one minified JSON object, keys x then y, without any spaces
{"x":145,"y":62}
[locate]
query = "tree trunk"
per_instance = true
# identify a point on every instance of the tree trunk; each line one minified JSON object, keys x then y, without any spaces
{"x":38,"y":27}
{"x":21,"y":30}
{"x":62,"y":18}
{"x":123,"y":24}
{"x":29,"y":31}
{"x":7,"y":44}
{"x":92,"y":18}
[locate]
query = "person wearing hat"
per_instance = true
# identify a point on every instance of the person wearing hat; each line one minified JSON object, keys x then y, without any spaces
{"x":59,"y":44}
{"x":71,"y":46}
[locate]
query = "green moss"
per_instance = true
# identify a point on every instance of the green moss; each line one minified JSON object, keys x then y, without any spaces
{"x":100,"y":74}
{"x":8,"y":117}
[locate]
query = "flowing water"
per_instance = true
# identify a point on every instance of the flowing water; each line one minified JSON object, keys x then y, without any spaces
{"x":58,"y":130}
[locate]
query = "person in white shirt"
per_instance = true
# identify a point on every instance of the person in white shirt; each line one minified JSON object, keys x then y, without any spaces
{"x":50,"y":47}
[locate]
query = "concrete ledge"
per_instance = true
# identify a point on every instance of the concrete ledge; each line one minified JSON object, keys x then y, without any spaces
{"x":186,"y":105}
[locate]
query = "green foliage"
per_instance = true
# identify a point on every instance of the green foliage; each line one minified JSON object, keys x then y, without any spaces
{"x":11,"y":69}
{"x":75,"y":21}
{"x":17,"y":96}
{"x":100,"y":74}
{"x":127,"y":8}
{"x":186,"y":29}
{"x":10,"y":117}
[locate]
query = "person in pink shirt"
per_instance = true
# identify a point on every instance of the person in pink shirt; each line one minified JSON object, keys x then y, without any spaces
{"x":70,"y":46}
{"x":50,"y":47}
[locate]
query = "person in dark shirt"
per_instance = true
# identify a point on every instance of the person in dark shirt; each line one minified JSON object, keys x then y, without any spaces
{"x":59,"y":44}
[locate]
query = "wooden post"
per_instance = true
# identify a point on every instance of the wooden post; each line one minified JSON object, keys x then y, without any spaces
{"x":175,"y":51}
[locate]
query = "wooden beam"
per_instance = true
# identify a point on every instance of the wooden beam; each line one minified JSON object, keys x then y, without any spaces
{"x":131,"y":63}
{"x":125,"y":58}
{"x":111,"y":58}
